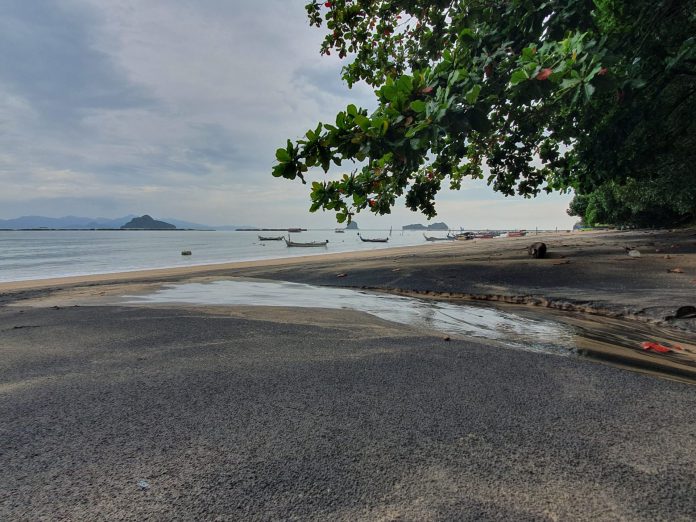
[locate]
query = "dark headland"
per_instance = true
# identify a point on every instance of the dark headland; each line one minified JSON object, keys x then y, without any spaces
{"x":147,"y":223}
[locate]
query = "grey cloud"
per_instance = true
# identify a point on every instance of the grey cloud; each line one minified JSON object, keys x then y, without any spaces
{"x":61,"y":206}
{"x":172,"y":107}
{"x":49,"y":59}
{"x":324,"y":79}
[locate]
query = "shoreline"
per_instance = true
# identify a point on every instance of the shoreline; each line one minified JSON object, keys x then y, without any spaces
{"x":137,"y":275}
{"x":586,"y":272}
{"x":584,"y":275}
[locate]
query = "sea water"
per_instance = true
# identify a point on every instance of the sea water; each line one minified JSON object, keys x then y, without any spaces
{"x":43,"y":254}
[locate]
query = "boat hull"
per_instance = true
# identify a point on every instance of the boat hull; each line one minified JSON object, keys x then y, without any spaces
{"x":311,"y":244}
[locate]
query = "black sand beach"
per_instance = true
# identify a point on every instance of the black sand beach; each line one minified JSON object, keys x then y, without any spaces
{"x":181,"y":412}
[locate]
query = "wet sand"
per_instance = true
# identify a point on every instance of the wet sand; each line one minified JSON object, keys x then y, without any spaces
{"x":278,"y":413}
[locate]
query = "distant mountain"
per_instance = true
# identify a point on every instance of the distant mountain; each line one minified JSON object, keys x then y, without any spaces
{"x":433,"y":226}
{"x":148,"y":223}
{"x":87,"y":223}
{"x":63,"y":222}
{"x":236,"y":227}
{"x":438,"y":226}
{"x":188,"y":224}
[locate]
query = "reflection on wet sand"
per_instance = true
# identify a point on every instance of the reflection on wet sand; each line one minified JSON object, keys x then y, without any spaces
{"x":547,"y":331}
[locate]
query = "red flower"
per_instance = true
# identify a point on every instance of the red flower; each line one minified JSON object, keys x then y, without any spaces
{"x":328,"y":4}
{"x":544,"y":74}
{"x":371,"y":202}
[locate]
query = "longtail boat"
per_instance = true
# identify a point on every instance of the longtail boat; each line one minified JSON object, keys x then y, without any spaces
{"x":271,"y":238}
{"x":374,"y":240}
{"x":309,"y":244}
{"x":434,"y":238}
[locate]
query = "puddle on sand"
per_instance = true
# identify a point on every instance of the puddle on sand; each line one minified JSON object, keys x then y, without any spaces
{"x":460,"y":320}
{"x":613,"y":340}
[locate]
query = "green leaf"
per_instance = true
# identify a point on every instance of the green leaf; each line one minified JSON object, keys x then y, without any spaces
{"x":418,"y":106}
{"x":352,"y":110}
{"x":389,"y":92}
{"x":362,"y":121}
{"x":473,"y":94}
{"x":593,"y":72}
{"x":405,"y":84}
{"x":589,"y":90}
{"x":569,"y":83}
{"x":282,"y":155}
{"x":528,"y":53}
{"x":518,"y":77}
{"x":466,"y":34}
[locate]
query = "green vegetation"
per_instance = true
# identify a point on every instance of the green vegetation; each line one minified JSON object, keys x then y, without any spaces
{"x":597,"y":96}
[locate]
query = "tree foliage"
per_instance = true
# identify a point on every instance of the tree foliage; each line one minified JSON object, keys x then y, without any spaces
{"x":588,"y":95}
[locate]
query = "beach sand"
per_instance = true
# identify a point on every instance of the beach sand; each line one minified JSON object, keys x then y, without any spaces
{"x":584,"y":271}
{"x":265,"y":413}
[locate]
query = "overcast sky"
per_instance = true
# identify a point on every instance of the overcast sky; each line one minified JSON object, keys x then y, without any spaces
{"x":175,"y":108}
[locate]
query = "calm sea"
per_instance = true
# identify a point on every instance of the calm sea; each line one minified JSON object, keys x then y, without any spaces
{"x":43,"y":254}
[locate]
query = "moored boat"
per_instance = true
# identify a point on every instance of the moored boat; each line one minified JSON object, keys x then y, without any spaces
{"x":373,"y":240}
{"x":308,"y":244}
{"x":434,"y":238}
{"x":271,"y":238}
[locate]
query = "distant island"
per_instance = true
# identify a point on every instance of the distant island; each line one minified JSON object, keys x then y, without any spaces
{"x":433,"y":226}
{"x":353,"y":225}
{"x":91,"y":223}
{"x":147,"y":223}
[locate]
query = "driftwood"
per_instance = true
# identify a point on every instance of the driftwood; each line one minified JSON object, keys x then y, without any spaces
{"x":537,"y":250}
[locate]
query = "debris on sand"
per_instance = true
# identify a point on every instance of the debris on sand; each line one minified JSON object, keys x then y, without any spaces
{"x":537,"y":250}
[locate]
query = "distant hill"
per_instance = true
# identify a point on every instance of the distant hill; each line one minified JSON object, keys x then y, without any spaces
{"x":236,"y":227}
{"x":148,"y":223}
{"x":187,"y":224}
{"x":88,"y":223}
{"x":433,"y":226}
{"x":438,"y":226}
{"x":62,"y":222}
